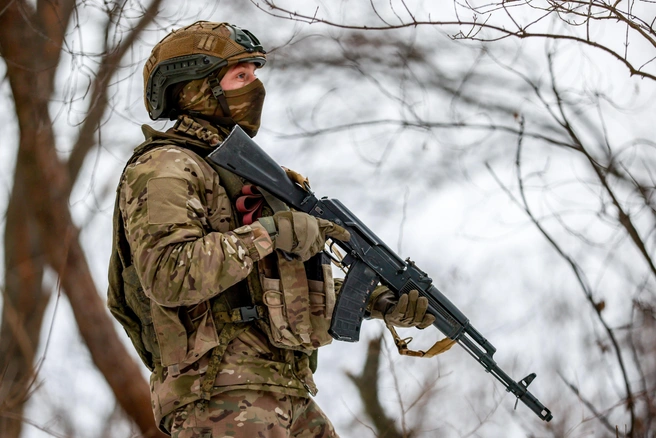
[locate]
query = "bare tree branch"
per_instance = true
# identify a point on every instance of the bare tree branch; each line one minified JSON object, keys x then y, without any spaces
{"x":470,"y":30}
{"x":100,"y":89}
{"x":32,"y":56}
{"x":367,"y":384}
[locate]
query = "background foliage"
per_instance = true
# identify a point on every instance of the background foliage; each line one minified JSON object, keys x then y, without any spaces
{"x":506,"y":147}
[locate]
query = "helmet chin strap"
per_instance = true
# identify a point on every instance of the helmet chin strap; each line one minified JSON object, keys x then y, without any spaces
{"x":219,"y":95}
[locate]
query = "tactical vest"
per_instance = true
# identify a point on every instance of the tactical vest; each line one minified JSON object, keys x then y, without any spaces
{"x":125,"y":297}
{"x":290,"y":301}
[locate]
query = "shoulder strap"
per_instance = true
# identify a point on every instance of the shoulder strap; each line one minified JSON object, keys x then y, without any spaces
{"x":275,"y":203}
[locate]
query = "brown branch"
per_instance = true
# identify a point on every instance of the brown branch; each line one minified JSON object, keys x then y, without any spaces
{"x":99,"y":92}
{"x":23,"y":291}
{"x":637,"y":358}
{"x":578,"y":272}
{"x":423,"y":125}
{"x":24,"y":261}
{"x":611,"y":13}
{"x":12,"y":316}
{"x":47,"y":185}
{"x":53,"y":18}
{"x":598,"y":415}
{"x":586,"y":288}
{"x":367,"y":385}
{"x":108,"y":352}
{"x":18,"y":418}
{"x":624,"y":218}
{"x":475,"y":26}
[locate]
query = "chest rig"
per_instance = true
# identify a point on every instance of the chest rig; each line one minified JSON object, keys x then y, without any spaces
{"x":291,"y":302}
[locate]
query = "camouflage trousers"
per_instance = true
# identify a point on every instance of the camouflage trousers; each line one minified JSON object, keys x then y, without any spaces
{"x":252,"y":414}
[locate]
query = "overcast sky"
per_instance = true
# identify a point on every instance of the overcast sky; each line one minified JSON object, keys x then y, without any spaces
{"x":427,"y":193}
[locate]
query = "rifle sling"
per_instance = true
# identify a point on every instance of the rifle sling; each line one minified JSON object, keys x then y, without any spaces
{"x":402,"y":345}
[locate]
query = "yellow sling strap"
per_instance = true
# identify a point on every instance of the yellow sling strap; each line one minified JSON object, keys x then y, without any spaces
{"x":402,"y":345}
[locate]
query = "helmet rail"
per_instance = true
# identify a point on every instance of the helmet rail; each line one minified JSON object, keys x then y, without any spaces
{"x":176,"y":70}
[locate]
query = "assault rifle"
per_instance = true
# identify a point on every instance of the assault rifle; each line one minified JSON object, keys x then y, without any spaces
{"x":369,"y":262}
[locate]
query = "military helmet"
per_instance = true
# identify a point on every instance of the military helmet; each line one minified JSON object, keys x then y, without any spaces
{"x":195,"y":52}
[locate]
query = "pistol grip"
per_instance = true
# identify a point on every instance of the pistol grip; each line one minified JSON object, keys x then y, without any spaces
{"x":351,"y":303}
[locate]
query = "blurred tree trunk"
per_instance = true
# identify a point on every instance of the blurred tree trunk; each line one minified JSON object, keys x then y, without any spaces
{"x":367,"y":385}
{"x":40,"y":230}
{"x":24,"y":303}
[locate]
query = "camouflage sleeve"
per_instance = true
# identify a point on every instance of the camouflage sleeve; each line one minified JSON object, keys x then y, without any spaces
{"x":169,"y":202}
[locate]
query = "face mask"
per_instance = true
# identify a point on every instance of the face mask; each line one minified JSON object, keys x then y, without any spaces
{"x":245,"y":104}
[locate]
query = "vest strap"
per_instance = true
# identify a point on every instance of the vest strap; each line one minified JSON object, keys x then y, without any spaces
{"x":229,"y":332}
{"x":240,"y":314}
{"x":247,"y":314}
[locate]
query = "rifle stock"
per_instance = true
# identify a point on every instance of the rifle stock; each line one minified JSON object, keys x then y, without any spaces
{"x":370,"y":261}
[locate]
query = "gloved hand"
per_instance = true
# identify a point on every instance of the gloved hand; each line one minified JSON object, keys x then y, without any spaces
{"x":300,"y":234}
{"x":408,"y":311}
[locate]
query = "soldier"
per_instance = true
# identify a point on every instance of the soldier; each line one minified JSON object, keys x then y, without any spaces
{"x":224,"y":292}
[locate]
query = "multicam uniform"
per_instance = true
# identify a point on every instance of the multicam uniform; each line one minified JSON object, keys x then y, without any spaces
{"x":227,"y":324}
{"x":187,"y":268}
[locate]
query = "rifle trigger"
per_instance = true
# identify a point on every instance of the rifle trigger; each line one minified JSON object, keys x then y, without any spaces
{"x":516,"y":401}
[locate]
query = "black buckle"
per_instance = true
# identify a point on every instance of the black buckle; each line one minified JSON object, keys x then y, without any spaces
{"x":215,"y":86}
{"x":248,"y":313}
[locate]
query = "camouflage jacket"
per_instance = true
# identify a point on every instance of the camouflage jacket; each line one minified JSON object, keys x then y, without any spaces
{"x":187,"y":251}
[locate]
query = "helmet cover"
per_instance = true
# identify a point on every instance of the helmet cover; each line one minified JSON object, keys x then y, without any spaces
{"x":194,"y":52}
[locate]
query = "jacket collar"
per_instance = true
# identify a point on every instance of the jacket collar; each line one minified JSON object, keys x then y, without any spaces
{"x":196,"y":134}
